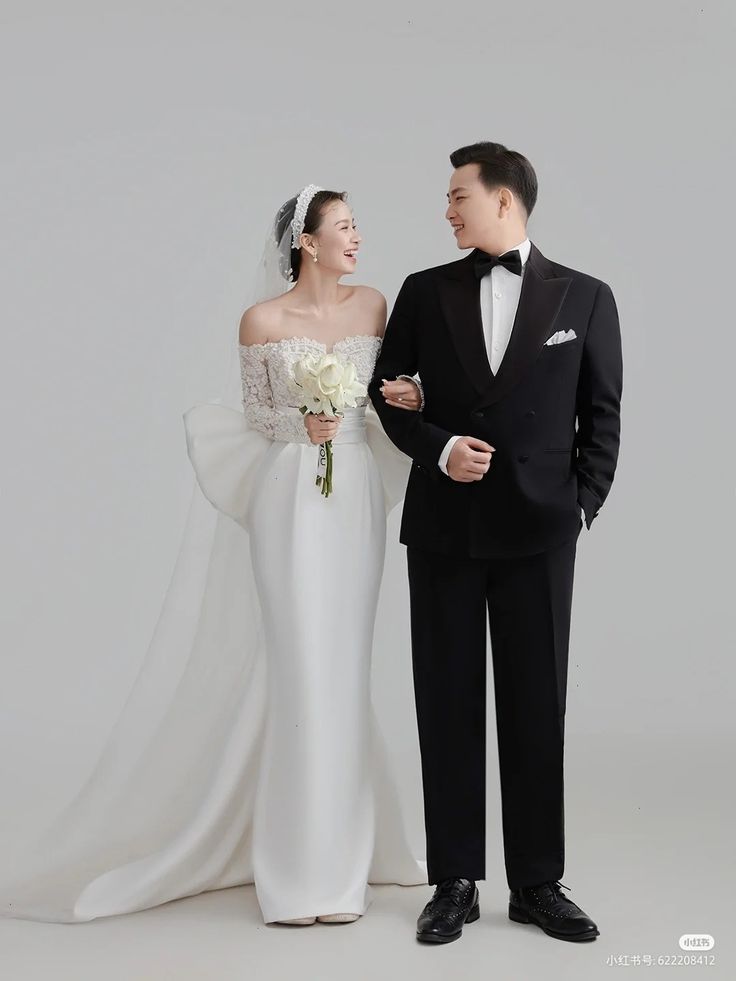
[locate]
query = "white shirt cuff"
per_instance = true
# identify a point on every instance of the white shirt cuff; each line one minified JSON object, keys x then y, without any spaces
{"x":445,"y":455}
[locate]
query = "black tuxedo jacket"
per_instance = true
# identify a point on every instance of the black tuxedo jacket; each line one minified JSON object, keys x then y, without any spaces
{"x":551,"y":412}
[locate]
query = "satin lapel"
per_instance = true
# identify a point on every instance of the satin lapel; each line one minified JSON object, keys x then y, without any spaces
{"x":459,"y":293}
{"x":540,"y":301}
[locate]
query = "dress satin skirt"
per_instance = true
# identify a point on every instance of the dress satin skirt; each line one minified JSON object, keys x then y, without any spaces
{"x":248,"y":750}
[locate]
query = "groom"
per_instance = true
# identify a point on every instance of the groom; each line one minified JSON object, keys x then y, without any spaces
{"x":513,"y":350}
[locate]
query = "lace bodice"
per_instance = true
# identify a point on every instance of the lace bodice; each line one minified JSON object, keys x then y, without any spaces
{"x":269,"y":402}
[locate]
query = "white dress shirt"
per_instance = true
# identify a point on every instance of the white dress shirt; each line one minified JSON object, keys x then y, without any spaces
{"x":500,"y":290}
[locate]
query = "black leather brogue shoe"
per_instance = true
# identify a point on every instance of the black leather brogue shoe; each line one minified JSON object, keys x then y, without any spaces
{"x":454,"y":903}
{"x":548,"y":907}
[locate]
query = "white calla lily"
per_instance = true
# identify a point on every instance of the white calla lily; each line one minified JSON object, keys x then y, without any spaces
{"x":327,"y":385}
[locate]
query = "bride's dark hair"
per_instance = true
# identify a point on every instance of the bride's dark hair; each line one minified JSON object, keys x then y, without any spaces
{"x":292,"y":258}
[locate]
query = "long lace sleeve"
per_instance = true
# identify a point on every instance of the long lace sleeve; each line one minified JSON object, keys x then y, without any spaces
{"x":286,"y":423}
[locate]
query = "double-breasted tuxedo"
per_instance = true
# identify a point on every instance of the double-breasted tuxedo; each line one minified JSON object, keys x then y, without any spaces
{"x":543,"y":468}
{"x":502,"y":546}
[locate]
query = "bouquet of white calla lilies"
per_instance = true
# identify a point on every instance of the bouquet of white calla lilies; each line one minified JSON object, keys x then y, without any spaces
{"x":328,"y":385}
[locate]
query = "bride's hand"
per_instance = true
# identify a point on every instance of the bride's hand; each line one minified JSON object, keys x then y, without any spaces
{"x":401,"y":393}
{"x":320,"y":427}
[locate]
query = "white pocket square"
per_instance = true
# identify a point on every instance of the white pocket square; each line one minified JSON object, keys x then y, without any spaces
{"x":560,"y":337}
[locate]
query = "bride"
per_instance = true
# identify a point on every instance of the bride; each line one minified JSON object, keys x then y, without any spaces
{"x":318,"y":565}
{"x":248,"y":749}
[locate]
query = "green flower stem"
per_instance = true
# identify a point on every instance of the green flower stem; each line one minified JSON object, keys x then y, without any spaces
{"x":324,"y":483}
{"x":327,"y":482}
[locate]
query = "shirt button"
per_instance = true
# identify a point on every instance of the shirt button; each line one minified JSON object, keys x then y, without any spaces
{"x":497,"y":295}
{"x":523,"y":458}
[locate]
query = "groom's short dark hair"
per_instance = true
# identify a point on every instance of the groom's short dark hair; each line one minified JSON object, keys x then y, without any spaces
{"x":500,"y":166}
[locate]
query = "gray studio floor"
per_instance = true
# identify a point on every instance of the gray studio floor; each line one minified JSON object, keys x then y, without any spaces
{"x":649,"y":857}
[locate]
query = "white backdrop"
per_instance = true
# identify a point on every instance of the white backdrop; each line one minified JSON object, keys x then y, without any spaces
{"x":145,"y":147}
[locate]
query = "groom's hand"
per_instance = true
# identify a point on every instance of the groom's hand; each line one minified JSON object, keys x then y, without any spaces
{"x":469,"y":459}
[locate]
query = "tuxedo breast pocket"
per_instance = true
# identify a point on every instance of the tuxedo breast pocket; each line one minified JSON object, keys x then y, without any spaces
{"x":562,"y":345}
{"x":561,"y":337}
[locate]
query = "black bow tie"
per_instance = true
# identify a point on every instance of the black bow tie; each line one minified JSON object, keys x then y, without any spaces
{"x":483,"y":262}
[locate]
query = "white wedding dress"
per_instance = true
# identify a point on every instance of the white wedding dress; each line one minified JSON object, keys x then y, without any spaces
{"x":248,"y":750}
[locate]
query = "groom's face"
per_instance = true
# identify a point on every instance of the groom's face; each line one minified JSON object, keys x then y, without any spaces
{"x":475,"y":213}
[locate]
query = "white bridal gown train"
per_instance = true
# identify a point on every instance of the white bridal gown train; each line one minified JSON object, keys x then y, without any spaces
{"x":248,"y":750}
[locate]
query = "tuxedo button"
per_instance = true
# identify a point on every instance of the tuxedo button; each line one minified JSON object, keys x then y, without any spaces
{"x":530,"y":414}
{"x":523,"y":457}
{"x":478,"y":414}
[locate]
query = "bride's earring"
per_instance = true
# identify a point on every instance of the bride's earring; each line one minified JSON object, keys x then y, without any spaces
{"x":315,"y":256}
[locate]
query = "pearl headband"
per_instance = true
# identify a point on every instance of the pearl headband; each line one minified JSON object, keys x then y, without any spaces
{"x":300,"y":213}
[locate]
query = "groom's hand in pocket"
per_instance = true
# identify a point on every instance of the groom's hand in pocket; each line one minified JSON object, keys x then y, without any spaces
{"x":469,"y":459}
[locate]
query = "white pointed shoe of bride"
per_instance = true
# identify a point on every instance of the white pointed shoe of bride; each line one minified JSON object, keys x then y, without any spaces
{"x":339,"y":918}
{"x":300,"y":921}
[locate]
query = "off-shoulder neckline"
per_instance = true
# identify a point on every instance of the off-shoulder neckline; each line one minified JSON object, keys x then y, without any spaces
{"x":313,"y":340}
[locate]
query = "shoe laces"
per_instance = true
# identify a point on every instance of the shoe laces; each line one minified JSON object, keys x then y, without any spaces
{"x":451,"y":889}
{"x":554,"y":889}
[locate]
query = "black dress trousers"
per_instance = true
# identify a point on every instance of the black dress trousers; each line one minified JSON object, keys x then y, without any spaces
{"x":528,"y":601}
